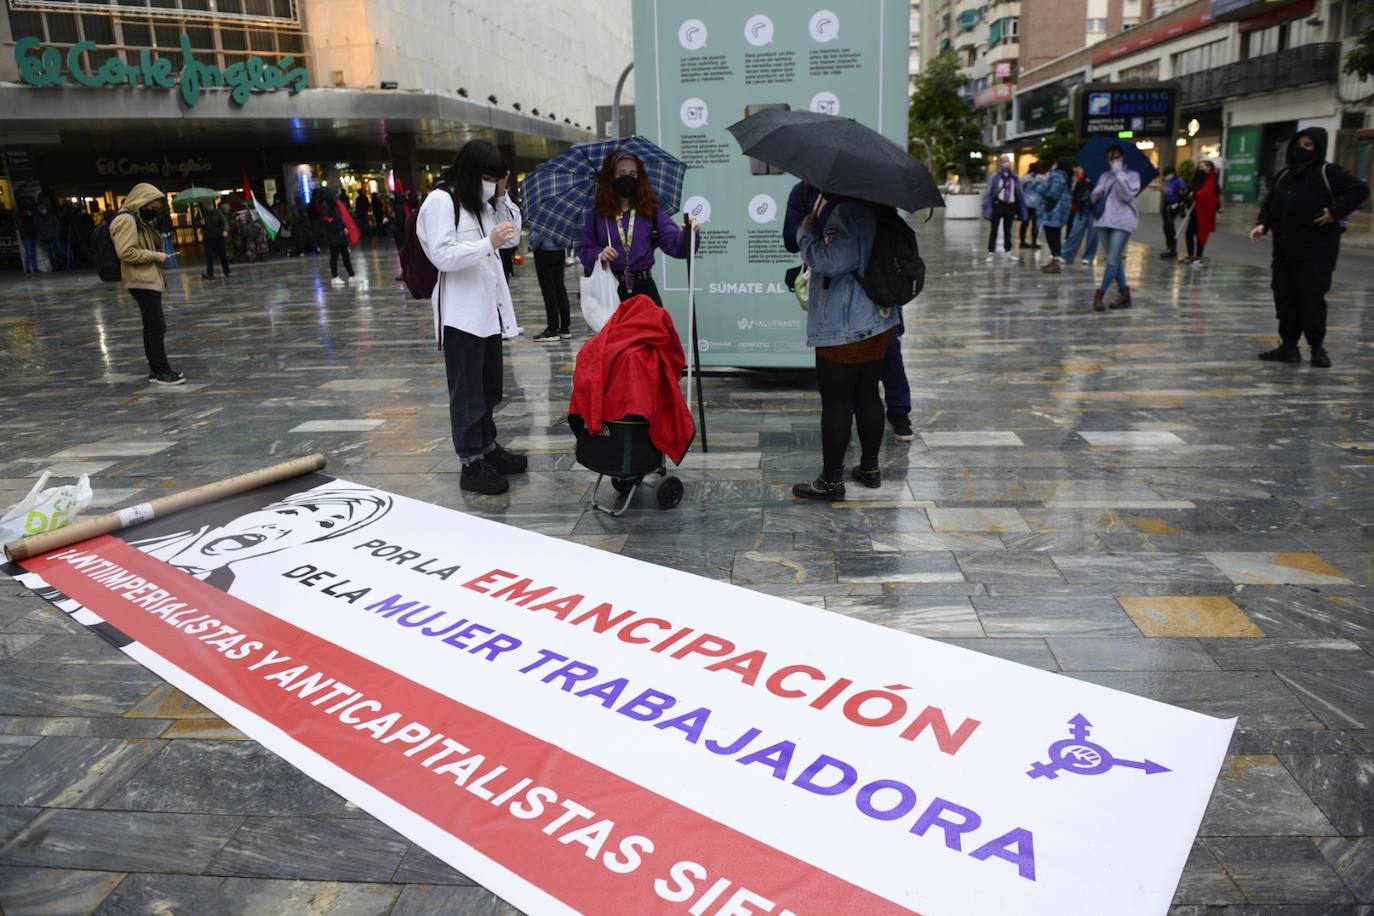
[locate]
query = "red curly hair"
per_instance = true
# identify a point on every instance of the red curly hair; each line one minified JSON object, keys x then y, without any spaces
{"x":608,"y":202}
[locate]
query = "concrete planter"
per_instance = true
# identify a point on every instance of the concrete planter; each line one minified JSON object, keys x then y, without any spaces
{"x":964,"y":206}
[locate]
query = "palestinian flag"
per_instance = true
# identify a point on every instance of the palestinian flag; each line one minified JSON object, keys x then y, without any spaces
{"x":265,"y":216}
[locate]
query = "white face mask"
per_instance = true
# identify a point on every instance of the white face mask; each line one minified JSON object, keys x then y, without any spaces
{"x":1118,"y":164}
{"x":488,"y":190}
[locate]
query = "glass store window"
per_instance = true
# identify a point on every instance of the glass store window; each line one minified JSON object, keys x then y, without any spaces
{"x":1195,"y":60}
{"x":1265,"y":41}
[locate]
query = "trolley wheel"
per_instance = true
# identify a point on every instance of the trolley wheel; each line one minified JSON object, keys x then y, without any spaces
{"x":623,"y":485}
{"x":668,"y":493}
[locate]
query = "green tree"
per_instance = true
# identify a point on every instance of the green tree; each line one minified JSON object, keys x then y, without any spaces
{"x":1360,"y":60}
{"x":941,"y":129}
{"x":1063,"y":142}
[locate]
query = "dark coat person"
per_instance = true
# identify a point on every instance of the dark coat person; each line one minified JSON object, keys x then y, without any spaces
{"x":1304,"y":211}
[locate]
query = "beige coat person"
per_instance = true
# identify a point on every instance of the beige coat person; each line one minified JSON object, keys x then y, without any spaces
{"x":138,"y":244}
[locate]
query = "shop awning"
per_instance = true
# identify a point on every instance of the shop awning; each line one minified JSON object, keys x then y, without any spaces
{"x":967,"y":19}
{"x":995,"y":32}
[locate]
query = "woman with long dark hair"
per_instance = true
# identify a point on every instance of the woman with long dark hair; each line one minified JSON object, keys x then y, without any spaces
{"x":626,"y":224}
{"x":1206,"y":200}
{"x":460,"y":234}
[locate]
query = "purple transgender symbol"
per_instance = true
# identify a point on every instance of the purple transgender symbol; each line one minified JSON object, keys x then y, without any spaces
{"x":1076,"y":754}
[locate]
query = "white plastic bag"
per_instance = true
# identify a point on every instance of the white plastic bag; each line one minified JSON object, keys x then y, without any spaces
{"x":600,"y":298}
{"x":45,"y":510}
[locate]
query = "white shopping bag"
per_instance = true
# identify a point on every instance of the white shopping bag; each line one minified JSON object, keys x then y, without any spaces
{"x":599,"y":297}
{"x":45,"y":510}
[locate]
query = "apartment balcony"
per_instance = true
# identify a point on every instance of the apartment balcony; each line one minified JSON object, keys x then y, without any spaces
{"x":1301,"y":66}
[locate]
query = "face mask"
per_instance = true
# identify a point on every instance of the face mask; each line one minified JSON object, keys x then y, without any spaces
{"x":1303,"y":155}
{"x":1117,"y":164}
{"x":488,"y":190}
{"x":626,"y":185}
{"x":1005,"y":169}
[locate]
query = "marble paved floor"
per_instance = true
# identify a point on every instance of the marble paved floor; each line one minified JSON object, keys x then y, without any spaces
{"x":1128,"y":498}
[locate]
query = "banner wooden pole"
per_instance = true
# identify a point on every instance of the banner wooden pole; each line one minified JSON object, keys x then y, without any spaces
{"x":87,"y":528}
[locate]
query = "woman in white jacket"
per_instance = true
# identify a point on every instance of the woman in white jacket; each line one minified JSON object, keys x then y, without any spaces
{"x":462,"y":236}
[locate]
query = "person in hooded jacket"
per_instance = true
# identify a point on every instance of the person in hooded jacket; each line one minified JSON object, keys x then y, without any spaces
{"x":141,"y":256}
{"x":1303,"y":211}
{"x":1206,"y":200}
{"x":1055,"y":198}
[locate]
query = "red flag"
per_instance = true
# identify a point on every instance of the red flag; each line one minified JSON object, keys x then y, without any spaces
{"x":354,"y":233}
{"x":247,"y":188}
{"x":401,"y":190}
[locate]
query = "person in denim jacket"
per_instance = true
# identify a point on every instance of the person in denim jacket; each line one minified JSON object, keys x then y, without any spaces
{"x":850,"y":334}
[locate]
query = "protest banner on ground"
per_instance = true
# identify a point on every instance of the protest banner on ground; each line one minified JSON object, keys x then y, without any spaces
{"x":583,"y":732}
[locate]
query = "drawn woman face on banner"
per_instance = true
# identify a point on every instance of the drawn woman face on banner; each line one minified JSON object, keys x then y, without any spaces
{"x":315,"y":515}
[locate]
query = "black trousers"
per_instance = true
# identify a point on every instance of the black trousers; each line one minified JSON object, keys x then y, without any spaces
{"x":154,"y":329}
{"x":1169,"y":213}
{"x":508,"y":261}
{"x":1195,"y":244}
{"x":1031,"y":222}
{"x":1005,"y":214}
{"x":336,"y":252}
{"x":1052,"y":235}
{"x":1300,"y":289}
{"x":474,"y":370}
{"x":849,"y":397}
{"x":643,"y":286}
{"x":548,"y":267}
{"x":214,"y":248}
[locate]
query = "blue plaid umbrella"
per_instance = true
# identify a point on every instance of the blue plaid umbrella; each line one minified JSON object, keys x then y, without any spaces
{"x":559,"y":192}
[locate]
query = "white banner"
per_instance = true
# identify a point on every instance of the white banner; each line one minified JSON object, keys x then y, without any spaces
{"x":584,"y":732}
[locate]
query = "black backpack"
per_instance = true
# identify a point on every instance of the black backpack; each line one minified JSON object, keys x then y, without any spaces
{"x":103,"y":253}
{"x":895,"y":273}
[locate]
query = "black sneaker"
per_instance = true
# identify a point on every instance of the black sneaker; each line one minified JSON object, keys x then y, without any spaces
{"x":548,"y":335}
{"x":1282,"y":355}
{"x":1168,"y":255}
{"x":481,"y":477}
{"x":1320,"y":359}
{"x":506,"y":462}
{"x":167,"y":378}
{"x":210,"y":276}
{"x":901,"y":428}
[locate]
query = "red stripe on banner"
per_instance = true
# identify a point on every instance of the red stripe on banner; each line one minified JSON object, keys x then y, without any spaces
{"x":563,"y":869}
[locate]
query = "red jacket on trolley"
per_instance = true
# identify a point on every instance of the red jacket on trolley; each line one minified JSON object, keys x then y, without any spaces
{"x":634,"y":367}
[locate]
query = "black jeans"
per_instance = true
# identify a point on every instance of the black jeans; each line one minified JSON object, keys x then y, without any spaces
{"x":508,"y":261}
{"x":336,"y":252}
{"x":1195,"y":244}
{"x":849,"y":396}
{"x":154,"y":329}
{"x":1052,"y":235}
{"x":473,"y":366}
{"x":1300,"y":289}
{"x":1030,"y":222}
{"x":548,"y":267}
{"x":1169,"y":213}
{"x":214,"y":248}
{"x":1004,"y":213}
{"x":643,"y":286}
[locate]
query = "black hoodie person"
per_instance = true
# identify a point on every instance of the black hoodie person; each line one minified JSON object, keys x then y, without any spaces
{"x":1309,"y":199}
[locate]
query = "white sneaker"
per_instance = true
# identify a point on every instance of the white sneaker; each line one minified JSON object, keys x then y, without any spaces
{"x":338,"y":281}
{"x":1086,"y":263}
{"x":990,"y":258}
{"x":1010,"y":256}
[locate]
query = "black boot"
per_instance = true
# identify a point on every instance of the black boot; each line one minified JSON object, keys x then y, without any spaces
{"x":1320,"y":358}
{"x":829,"y":486}
{"x":868,"y":473}
{"x":1282,"y":354}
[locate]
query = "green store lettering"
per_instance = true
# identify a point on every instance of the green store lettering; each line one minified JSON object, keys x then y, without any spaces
{"x":50,"y":67}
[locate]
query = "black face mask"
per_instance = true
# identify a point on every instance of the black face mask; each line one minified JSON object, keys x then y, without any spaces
{"x":626,"y":185}
{"x":1302,"y":155}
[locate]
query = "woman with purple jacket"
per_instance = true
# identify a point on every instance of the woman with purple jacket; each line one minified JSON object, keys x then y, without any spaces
{"x":1118,"y":187}
{"x":625,"y":225}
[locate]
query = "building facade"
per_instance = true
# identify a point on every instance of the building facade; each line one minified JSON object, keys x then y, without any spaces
{"x":296,"y":94}
{"x":1250,"y":75}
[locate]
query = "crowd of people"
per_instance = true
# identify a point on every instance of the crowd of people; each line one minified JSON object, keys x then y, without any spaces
{"x":469,"y":227}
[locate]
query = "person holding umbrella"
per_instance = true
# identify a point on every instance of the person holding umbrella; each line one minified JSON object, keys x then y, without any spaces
{"x":626,"y":224}
{"x":1118,"y":187}
{"x":1305,"y":209}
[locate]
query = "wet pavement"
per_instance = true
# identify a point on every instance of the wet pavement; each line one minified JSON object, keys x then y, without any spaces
{"x":1129,"y":498}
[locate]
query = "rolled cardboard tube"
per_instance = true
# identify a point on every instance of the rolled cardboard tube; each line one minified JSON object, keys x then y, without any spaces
{"x":87,"y":528}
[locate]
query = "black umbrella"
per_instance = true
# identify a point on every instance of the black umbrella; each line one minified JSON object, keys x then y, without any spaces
{"x":838,"y":156}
